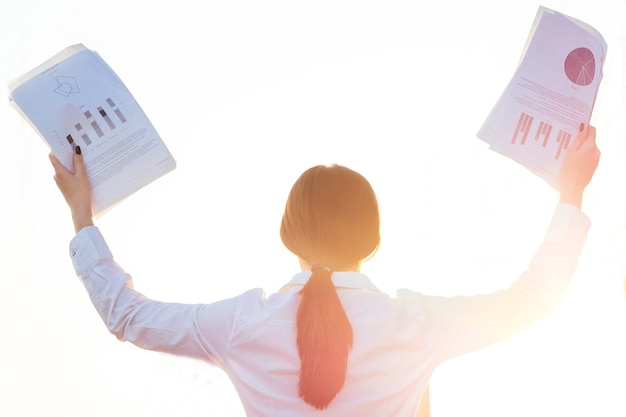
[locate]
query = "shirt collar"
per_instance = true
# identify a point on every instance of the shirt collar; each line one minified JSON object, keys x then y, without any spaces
{"x":341,"y":279}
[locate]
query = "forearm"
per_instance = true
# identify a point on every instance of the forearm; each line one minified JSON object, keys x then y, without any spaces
{"x":482,"y":320}
{"x":571,"y":195}
{"x":128,"y":314}
{"x":82,"y":218}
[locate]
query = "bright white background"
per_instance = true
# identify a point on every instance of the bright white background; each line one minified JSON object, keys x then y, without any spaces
{"x":247,"y":95}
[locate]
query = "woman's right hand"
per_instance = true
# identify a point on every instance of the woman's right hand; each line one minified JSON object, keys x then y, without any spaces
{"x":579,"y":164}
{"x":76,"y":189}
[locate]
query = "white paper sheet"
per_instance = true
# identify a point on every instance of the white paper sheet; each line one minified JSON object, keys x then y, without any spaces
{"x":75,"y":99}
{"x":551,"y":93}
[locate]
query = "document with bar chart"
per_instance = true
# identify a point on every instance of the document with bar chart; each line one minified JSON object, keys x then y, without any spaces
{"x":551,"y":93}
{"x":76,"y":99}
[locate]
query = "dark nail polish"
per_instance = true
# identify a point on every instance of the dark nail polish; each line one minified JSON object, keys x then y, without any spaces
{"x":582,"y":126}
{"x":78,"y":152}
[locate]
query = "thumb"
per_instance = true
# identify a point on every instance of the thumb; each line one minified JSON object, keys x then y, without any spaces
{"x":59,"y":168}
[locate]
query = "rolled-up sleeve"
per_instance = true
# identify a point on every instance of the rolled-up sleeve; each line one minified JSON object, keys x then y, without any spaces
{"x":129,"y":315}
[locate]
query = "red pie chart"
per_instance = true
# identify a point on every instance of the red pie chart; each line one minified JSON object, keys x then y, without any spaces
{"x":580,"y":66}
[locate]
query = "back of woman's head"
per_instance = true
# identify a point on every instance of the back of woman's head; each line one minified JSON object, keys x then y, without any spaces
{"x":331,"y":217}
{"x":331,"y":221}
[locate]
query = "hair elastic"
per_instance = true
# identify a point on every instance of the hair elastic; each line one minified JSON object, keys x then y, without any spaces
{"x":320,"y":267}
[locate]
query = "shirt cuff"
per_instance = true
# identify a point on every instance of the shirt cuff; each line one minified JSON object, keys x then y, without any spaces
{"x":88,"y":248}
{"x":567,"y":219}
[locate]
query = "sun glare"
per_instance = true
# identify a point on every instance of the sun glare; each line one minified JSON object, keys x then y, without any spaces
{"x":249,"y":95}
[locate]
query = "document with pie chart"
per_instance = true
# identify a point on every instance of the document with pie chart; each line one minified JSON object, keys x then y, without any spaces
{"x":552,"y":92}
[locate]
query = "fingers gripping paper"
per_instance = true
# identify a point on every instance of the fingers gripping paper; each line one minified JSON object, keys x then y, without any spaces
{"x":551,"y":93}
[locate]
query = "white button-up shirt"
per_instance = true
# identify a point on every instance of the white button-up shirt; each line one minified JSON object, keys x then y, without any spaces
{"x":398,"y":341}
